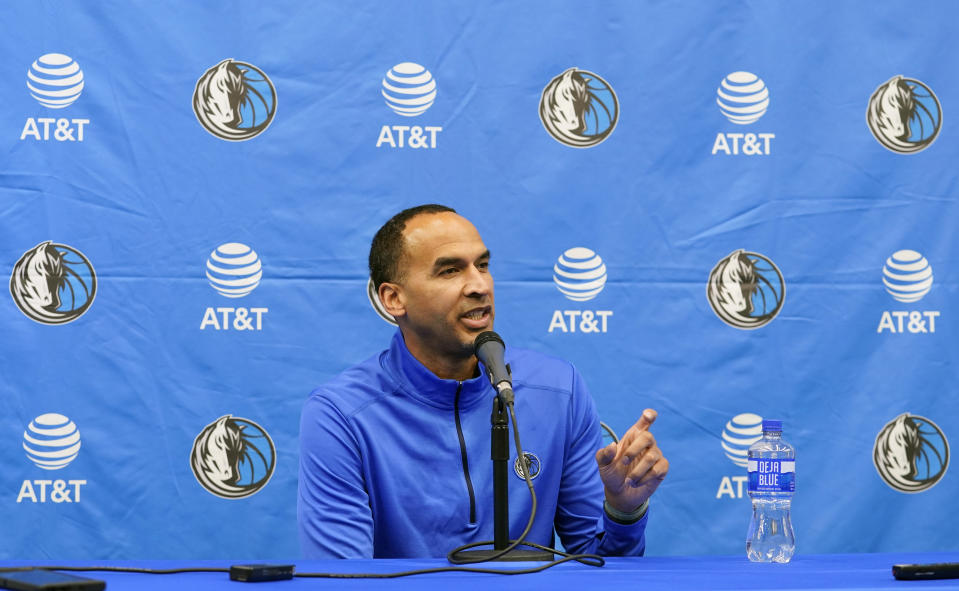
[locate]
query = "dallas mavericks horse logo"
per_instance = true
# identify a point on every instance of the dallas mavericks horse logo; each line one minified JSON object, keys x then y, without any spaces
{"x":233,"y":457}
{"x":53,"y":283}
{"x":904,"y":115}
{"x":746,"y":290}
{"x":531,"y":465}
{"x":234,"y":100}
{"x":578,"y":108}
{"x":377,"y":304}
{"x":911,"y":453}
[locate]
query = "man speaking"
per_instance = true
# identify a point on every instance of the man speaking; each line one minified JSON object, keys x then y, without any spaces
{"x":395,"y":451}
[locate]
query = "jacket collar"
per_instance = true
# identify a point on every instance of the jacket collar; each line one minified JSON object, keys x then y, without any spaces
{"x":423,"y":385}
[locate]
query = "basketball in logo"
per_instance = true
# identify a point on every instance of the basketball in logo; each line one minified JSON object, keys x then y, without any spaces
{"x":578,"y":108}
{"x":904,"y":115}
{"x":532,"y":466}
{"x":746,"y":290}
{"x":53,"y":283}
{"x":377,"y":304}
{"x":233,"y":457}
{"x":911,"y":453}
{"x":234,"y":101}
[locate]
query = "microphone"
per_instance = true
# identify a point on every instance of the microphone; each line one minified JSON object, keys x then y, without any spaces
{"x":489,"y":348}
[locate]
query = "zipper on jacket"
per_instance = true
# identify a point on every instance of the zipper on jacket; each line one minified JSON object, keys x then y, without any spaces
{"x":466,"y":468}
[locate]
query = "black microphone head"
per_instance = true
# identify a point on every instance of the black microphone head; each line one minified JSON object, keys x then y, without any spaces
{"x":485,"y":337}
{"x":489,"y":349}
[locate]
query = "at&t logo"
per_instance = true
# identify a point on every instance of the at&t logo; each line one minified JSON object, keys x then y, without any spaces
{"x":53,"y":283}
{"x":579,"y":109}
{"x":740,"y":432}
{"x":580,"y":275}
{"x":746,"y":290}
{"x":911,"y":453}
{"x":56,"y":82}
{"x":234,"y":271}
{"x":904,"y":115}
{"x":409,"y":90}
{"x":233,"y":457}
{"x":51,"y":441}
{"x":907,"y":276}
{"x":743,"y":98}
{"x":234,"y":101}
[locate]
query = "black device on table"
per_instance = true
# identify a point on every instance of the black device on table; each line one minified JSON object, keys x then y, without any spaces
{"x":919,"y":572}
{"x":48,"y":580}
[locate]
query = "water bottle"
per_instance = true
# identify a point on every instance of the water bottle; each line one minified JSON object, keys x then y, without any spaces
{"x":772,"y":482}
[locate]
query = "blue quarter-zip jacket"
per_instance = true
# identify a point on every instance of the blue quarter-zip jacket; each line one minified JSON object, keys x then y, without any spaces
{"x":395,"y":462}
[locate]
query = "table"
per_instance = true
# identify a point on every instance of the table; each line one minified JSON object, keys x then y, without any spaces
{"x":664,"y":573}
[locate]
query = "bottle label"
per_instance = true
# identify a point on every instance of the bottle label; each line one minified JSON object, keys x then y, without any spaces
{"x":772,"y":475}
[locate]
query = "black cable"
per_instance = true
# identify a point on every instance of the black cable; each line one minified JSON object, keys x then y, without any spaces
{"x":588,"y":559}
{"x":609,"y":431}
{"x":120,"y":569}
{"x":452,"y":554}
{"x":462,"y":569}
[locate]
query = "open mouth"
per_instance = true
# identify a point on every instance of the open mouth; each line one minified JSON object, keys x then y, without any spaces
{"x":477,"y":317}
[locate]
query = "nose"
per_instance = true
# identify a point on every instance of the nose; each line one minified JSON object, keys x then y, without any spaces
{"x":479,"y":283}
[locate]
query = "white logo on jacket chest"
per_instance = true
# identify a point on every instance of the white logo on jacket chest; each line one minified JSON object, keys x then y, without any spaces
{"x":532,"y":466}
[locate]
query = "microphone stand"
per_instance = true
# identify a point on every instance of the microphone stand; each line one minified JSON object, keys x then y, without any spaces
{"x":499,"y":453}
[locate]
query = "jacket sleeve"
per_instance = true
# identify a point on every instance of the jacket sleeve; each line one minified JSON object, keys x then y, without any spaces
{"x":582,"y":524}
{"x":333,"y":509}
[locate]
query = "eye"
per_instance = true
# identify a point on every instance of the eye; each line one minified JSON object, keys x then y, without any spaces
{"x":448,"y":271}
{"x":483,"y":266}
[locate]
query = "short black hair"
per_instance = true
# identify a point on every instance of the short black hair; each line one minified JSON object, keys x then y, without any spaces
{"x":387,"y":246}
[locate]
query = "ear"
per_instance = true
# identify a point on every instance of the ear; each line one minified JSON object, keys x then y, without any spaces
{"x":392,"y":298}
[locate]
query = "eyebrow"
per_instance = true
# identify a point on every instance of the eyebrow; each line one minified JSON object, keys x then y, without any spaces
{"x":444,"y":261}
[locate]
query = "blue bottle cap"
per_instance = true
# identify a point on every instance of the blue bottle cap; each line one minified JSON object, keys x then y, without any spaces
{"x":772,"y":425}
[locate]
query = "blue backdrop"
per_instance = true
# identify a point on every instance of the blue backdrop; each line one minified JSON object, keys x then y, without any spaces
{"x":723,"y":210}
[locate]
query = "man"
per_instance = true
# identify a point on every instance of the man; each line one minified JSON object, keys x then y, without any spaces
{"x":395,"y":452}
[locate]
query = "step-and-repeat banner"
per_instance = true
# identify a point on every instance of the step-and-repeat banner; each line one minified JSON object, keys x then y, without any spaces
{"x":722,"y":210}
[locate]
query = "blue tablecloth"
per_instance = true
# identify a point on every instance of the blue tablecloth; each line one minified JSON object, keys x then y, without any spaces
{"x":835,"y":571}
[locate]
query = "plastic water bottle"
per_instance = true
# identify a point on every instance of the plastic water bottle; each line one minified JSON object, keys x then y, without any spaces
{"x":772,"y":482}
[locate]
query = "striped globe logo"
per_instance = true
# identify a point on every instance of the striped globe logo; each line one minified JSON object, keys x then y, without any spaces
{"x":741,"y":431}
{"x":579,"y":274}
{"x":51,"y":441}
{"x":234,"y":269}
{"x":409,"y":89}
{"x":907,"y":276}
{"x":742,"y":97}
{"x":55,"y":80}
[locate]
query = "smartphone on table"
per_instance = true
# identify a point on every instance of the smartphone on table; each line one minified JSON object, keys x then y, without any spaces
{"x":38,"y":579}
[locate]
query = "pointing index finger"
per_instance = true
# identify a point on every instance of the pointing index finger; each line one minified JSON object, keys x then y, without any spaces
{"x":648,"y":418}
